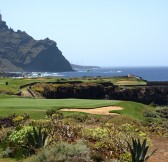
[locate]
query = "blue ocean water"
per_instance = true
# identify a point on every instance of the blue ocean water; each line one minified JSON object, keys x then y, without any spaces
{"x":147,"y":73}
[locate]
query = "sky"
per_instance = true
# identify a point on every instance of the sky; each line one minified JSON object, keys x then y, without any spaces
{"x":96,"y":32}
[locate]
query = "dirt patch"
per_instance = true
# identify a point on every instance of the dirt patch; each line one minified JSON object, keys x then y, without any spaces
{"x":25,"y":93}
{"x":101,"y":111}
{"x":126,"y":82}
{"x":161,"y":144}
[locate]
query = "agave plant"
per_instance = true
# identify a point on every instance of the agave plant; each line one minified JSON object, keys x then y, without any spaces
{"x":139,"y":151}
{"x":37,"y":139}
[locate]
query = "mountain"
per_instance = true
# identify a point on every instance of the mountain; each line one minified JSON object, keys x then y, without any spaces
{"x":20,"y":52}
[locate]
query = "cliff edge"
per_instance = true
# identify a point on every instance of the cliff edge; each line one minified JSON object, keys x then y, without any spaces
{"x":20,"y":52}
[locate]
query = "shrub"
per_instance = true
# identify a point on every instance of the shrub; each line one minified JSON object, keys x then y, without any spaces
{"x":97,"y":157}
{"x":81,"y":117}
{"x":111,"y":140}
{"x":162,"y":112}
{"x":60,"y":131}
{"x":150,"y":114}
{"x":7,"y":122}
{"x":13,"y":120}
{"x":40,"y":123}
{"x":26,"y":141}
{"x":66,"y":152}
{"x":4,"y":133}
{"x":19,"y":137}
{"x":122,"y":119}
{"x":54,"y":114}
{"x":13,"y":145}
{"x":5,"y":150}
{"x":5,"y":153}
{"x":20,"y":120}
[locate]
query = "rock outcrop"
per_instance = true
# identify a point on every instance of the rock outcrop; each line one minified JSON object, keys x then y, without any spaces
{"x":147,"y":94}
{"x":20,"y":52}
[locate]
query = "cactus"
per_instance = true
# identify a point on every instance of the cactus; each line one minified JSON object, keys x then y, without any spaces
{"x":139,"y":151}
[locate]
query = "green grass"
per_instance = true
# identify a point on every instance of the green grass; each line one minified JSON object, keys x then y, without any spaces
{"x":125,"y":81}
{"x":37,"y":107}
{"x":7,"y":160}
{"x":14,"y":83}
{"x":133,"y":109}
{"x":115,"y":80}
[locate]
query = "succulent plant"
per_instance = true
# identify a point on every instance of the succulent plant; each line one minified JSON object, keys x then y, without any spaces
{"x":139,"y":151}
{"x":37,"y":139}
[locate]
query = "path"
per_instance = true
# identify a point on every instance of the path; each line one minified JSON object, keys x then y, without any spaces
{"x":102,"y":110}
{"x":161,"y":144}
{"x":26,"y":93}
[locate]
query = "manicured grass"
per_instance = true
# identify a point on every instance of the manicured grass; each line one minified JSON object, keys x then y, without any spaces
{"x":37,"y":107}
{"x":43,"y":104}
{"x":133,"y":109}
{"x":14,"y":83}
{"x":125,"y":81}
{"x":115,"y":80}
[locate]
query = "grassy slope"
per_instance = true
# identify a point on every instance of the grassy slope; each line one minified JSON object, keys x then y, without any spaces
{"x":115,"y":80}
{"x":37,"y":107}
{"x":14,"y":83}
{"x":132,"y":109}
{"x":125,"y":81}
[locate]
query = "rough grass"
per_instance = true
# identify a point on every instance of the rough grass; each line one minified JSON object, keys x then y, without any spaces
{"x":14,"y":83}
{"x":7,"y":160}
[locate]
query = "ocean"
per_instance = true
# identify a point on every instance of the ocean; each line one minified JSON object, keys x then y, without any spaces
{"x":147,"y":73}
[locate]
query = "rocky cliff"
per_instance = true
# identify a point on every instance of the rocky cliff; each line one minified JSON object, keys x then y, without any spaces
{"x":20,"y":52}
{"x":147,"y":94}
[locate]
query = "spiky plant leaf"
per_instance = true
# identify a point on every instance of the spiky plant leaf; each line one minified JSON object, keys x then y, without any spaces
{"x":45,"y":139}
{"x":144,"y":149}
{"x":150,"y":155}
{"x":138,"y":151}
{"x":30,"y":139}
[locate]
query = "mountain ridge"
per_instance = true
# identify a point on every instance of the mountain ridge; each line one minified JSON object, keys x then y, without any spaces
{"x":20,"y":52}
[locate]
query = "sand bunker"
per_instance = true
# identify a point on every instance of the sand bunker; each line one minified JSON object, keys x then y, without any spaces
{"x":126,"y":82}
{"x":102,"y":110}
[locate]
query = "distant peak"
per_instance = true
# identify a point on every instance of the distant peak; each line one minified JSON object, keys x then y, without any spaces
{"x":2,"y":23}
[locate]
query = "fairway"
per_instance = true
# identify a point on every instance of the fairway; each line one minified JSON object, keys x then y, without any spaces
{"x":37,"y":107}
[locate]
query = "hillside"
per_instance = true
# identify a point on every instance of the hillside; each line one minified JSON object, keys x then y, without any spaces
{"x":20,"y":52}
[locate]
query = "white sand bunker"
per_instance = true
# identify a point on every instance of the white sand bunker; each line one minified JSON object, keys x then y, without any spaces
{"x":102,"y":110}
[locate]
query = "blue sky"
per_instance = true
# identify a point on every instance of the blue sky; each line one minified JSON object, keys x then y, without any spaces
{"x":96,"y":32}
